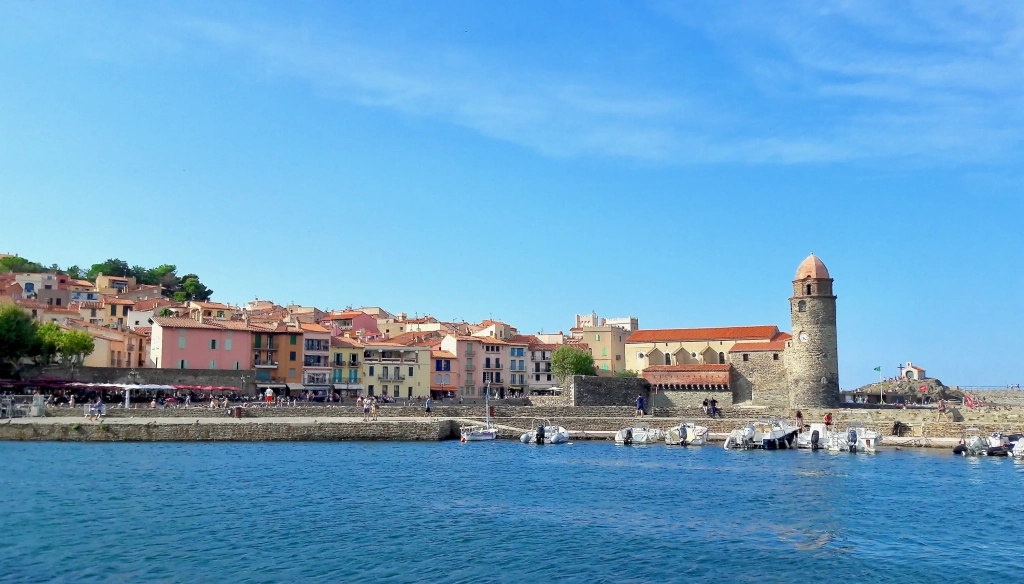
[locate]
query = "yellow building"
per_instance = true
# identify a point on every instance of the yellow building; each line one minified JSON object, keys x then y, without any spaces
{"x":607,"y":346}
{"x":396,"y":370}
{"x":346,"y":366}
{"x":277,"y":356}
{"x":695,"y":346}
{"x":114,"y":284}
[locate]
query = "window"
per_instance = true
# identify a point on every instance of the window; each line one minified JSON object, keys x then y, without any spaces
{"x":353,"y":376}
{"x":746,"y":357}
{"x":181,"y":342}
{"x":604,"y":351}
{"x":487,"y":363}
{"x":258,"y":337}
{"x":369,"y":389}
{"x":410,"y":371}
{"x":213,"y":364}
{"x":437,"y":379}
{"x":775,"y":356}
{"x":522,"y":365}
{"x":213,"y":344}
{"x":113,"y":310}
{"x":801,"y":306}
{"x":183,"y":364}
{"x":437,"y":365}
{"x":538,"y":377}
{"x":668,"y":359}
{"x":604,"y":367}
{"x":220,"y":314}
{"x":58,"y":302}
{"x":808,"y":289}
{"x":384,"y":389}
{"x":549,"y":377}
{"x":124,"y":311}
{"x":92,"y":312}
{"x":410,"y":392}
{"x":336,"y":377}
{"x":721,"y":358}
{"x":291,"y":373}
{"x":291,"y":341}
{"x":371,"y":370}
{"x":597,"y":337}
{"x":447,"y":379}
{"x":291,"y":356}
{"x":227,"y":344}
{"x":447,"y":365}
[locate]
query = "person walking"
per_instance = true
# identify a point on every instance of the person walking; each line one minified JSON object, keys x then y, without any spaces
{"x":429,"y":415}
{"x":828,"y":421}
{"x":800,"y":420}
{"x":704,"y":406}
{"x":373,"y":409}
{"x":714,"y":407}
{"x":639,"y":407}
{"x":366,"y":410}
{"x":942,"y":410}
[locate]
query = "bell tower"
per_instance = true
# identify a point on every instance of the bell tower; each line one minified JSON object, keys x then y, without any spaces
{"x":812,"y":361}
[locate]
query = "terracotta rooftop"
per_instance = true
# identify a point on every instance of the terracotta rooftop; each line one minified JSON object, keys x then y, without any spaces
{"x":754,"y":347}
{"x":346,"y":314}
{"x":733,"y":333}
{"x":346,"y":343}
{"x":118,"y":301}
{"x":215,"y":305}
{"x":812,"y":267}
{"x":782,"y":337}
{"x":442,"y":355}
{"x":313,"y":328}
{"x":183,"y":322}
{"x":89,"y":304}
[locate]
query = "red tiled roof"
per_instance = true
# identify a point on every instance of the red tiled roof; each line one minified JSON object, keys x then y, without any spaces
{"x":782,"y":337}
{"x":917,"y":368}
{"x":89,"y":304}
{"x":182,"y":322}
{"x":733,"y":333}
{"x":346,"y":343}
{"x":119,"y":301}
{"x":347,"y":314}
{"x":153,"y":303}
{"x":442,"y":355}
{"x":696,"y":367}
{"x":754,"y":347}
{"x":313,"y":328}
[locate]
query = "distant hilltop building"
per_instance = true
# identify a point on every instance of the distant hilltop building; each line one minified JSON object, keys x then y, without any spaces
{"x":758,"y":365}
{"x":914,"y":372}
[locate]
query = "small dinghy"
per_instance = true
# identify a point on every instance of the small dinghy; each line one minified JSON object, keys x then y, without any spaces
{"x":817,"y":438}
{"x":480,"y":433}
{"x":687,"y":433}
{"x":972,"y":443}
{"x":639,"y":435}
{"x":857,"y":438}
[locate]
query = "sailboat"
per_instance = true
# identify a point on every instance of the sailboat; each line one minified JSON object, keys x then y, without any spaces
{"x":478,"y":433}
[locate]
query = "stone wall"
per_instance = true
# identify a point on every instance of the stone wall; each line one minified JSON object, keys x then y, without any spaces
{"x":230,"y":431}
{"x":217,"y":377}
{"x":690,"y":399}
{"x":609,"y":391}
{"x":761,"y":379}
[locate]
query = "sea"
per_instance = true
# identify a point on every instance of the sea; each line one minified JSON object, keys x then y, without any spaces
{"x":502,"y":512}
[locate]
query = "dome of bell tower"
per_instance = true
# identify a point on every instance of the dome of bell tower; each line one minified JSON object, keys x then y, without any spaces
{"x":812,"y":267}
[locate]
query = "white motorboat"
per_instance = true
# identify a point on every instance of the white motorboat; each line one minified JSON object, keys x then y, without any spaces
{"x":638,"y":435}
{"x":858,"y":438}
{"x":480,"y":433}
{"x":1018,"y":446}
{"x":545,"y":433}
{"x":687,"y":434}
{"x":972,"y":443}
{"x":817,"y":438}
{"x":768,"y":434}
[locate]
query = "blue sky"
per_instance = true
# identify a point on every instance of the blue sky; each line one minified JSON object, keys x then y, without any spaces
{"x":530,"y":160}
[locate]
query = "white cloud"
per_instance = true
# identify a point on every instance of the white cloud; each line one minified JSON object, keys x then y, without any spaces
{"x":814,"y":83}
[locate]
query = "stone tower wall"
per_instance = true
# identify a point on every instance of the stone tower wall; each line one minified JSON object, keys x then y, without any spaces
{"x":760,"y":380}
{"x":813,"y":367}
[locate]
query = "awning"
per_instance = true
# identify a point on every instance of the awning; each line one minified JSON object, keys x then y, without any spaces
{"x":270,"y":385}
{"x":295,"y":386}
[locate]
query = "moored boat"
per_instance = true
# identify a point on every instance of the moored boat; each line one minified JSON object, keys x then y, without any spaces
{"x":767,"y":434}
{"x":972,"y":443}
{"x":480,"y":433}
{"x":687,"y":433}
{"x":545,"y":433}
{"x":639,"y":435}
{"x":857,"y":438}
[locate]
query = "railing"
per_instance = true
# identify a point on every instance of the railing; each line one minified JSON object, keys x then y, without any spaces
{"x":265,"y":365}
{"x":393,"y":377}
{"x":470,"y":367}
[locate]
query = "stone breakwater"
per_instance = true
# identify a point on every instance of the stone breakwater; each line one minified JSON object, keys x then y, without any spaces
{"x":227,"y":430}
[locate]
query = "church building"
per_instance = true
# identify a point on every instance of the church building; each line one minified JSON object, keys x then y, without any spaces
{"x":755,"y":365}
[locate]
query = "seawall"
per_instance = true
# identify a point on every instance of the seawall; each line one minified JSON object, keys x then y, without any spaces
{"x":224,"y":430}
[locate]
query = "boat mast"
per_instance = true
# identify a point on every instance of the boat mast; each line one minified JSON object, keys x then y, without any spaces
{"x":487,"y":404}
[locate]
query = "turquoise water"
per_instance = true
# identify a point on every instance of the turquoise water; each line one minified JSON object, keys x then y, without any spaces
{"x":501,"y":512}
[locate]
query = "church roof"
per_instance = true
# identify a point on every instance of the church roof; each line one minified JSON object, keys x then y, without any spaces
{"x":729,"y":333}
{"x":812,"y":267}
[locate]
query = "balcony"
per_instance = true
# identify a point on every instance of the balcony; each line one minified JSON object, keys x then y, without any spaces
{"x":469,"y":367}
{"x":392,"y":377}
{"x":265,"y":365}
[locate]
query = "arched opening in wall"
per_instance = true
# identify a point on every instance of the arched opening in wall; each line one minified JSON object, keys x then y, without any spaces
{"x":801,"y":306}
{"x":808,"y":289}
{"x":721,"y":358}
{"x":668,"y":359}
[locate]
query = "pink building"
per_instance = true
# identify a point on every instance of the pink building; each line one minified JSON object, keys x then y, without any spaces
{"x":352,"y":323}
{"x":479,"y":360}
{"x":183,"y":343}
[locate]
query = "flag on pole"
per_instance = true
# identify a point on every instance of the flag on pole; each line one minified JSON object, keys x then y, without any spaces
{"x":878,"y":369}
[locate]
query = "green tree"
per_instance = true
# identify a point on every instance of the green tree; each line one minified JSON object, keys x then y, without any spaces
{"x":48,"y":338}
{"x":626,"y":373}
{"x":17,"y":337}
{"x":112,"y":267}
{"x":194,"y":289}
{"x":75,"y":345}
{"x":21,"y":265}
{"x":166,"y":312}
{"x":74,"y":272}
{"x":567,"y":361}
